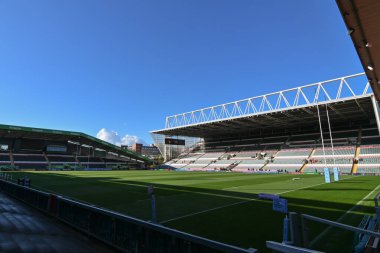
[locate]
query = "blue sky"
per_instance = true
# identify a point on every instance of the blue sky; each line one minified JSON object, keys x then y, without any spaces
{"x":122,"y":65}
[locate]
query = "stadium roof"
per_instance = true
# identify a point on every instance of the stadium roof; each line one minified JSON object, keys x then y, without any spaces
{"x":280,"y":110}
{"x":9,"y":131}
{"x":362,"y":19}
{"x":340,"y":112}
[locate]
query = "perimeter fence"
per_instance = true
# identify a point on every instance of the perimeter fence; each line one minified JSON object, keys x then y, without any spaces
{"x":122,"y":232}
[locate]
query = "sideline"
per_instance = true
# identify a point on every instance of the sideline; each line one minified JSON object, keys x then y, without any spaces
{"x":324,"y":232}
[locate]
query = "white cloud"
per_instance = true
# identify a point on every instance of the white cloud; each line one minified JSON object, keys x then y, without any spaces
{"x":114,"y":138}
{"x":109,"y":136}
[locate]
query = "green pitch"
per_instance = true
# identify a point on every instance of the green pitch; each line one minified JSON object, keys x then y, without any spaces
{"x":222,"y":206}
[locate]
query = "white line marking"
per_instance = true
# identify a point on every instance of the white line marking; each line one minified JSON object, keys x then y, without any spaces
{"x":277,"y":193}
{"x":300,"y":188}
{"x":324,"y":232}
{"x":207,"y":210}
{"x":311,"y":186}
{"x":232,"y":187}
{"x":237,"y":203}
{"x":178,"y":190}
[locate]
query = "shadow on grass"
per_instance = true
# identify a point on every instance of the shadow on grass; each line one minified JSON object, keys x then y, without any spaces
{"x":213,"y":213}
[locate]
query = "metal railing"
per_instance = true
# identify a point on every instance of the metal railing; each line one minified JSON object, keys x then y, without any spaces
{"x":284,"y":248}
{"x":340,"y":225}
{"x":123,"y":232}
{"x":300,"y":232}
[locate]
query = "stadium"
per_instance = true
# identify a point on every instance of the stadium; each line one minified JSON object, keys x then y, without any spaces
{"x":47,"y":149}
{"x":252,"y":175}
{"x":281,"y":131}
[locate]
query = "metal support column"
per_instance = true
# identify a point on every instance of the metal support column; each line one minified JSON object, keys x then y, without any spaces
{"x":376,"y":110}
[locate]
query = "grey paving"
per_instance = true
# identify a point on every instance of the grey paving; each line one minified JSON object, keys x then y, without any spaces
{"x":23,"y":229}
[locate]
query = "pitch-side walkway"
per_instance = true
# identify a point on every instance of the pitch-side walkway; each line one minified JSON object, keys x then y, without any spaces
{"x":23,"y":229}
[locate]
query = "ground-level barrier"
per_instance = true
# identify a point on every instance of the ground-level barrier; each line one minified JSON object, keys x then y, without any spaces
{"x":300,"y":241}
{"x":122,"y":232}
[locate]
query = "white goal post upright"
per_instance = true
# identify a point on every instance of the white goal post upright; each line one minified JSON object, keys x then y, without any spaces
{"x":320,"y":129}
{"x":331,"y":139}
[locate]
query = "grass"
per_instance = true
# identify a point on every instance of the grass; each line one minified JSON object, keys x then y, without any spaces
{"x":221,"y":206}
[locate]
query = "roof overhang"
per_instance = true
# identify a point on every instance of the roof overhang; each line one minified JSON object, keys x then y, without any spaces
{"x":9,"y":131}
{"x":362,"y":19}
{"x":342,"y":111}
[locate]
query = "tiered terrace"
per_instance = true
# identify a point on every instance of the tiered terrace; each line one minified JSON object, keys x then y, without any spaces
{"x":293,"y":154}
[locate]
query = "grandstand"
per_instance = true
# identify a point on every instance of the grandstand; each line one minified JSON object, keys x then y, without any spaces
{"x":280,"y":132}
{"x":46,"y":149}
